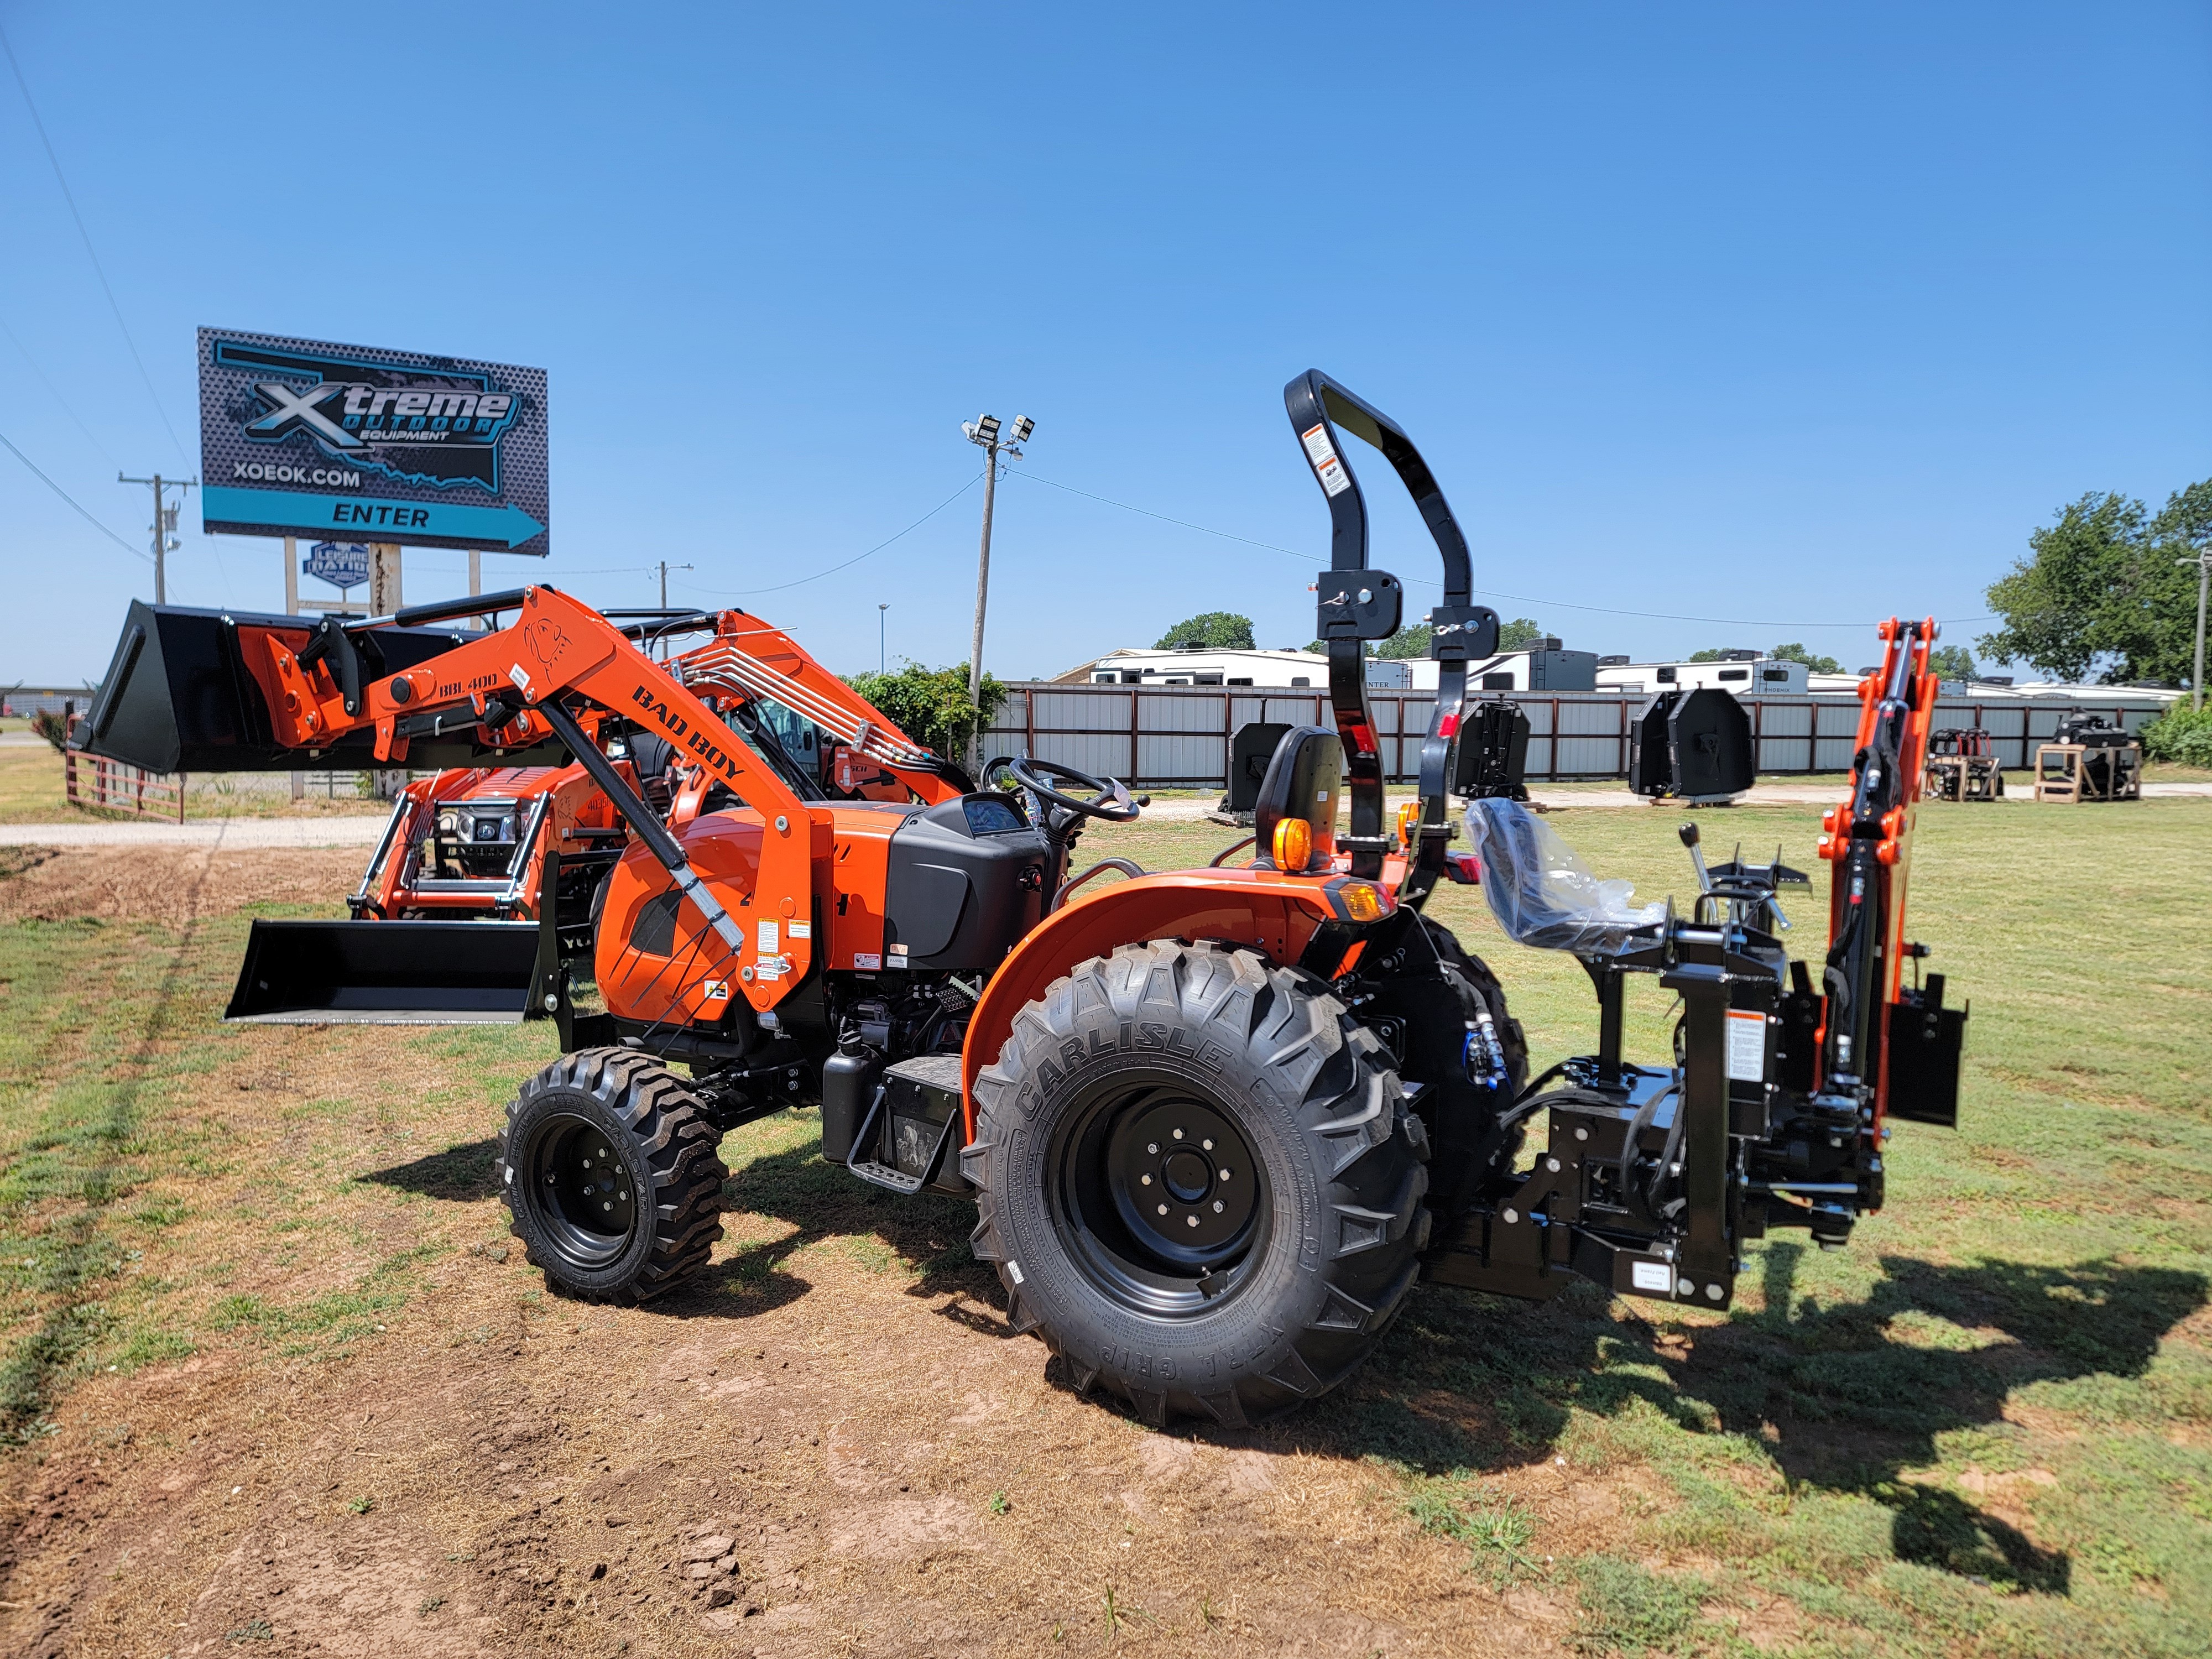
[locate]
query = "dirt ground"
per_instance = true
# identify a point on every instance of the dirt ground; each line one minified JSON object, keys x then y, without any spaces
{"x":824,"y":1447}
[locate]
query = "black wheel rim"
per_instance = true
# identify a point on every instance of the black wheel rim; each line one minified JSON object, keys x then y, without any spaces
{"x":1158,"y":1197}
{"x":580,"y":1192}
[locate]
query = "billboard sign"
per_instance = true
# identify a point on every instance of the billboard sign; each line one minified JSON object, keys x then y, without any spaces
{"x":342,"y":564}
{"x":304,"y":438}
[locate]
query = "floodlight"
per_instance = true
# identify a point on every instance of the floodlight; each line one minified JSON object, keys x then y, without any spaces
{"x":1022,"y":426}
{"x":987,"y":428}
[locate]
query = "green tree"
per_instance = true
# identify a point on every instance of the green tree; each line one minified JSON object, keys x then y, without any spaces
{"x":1953,"y":662}
{"x":1212,"y":630}
{"x":1813,"y":662}
{"x":2100,"y":590}
{"x":1414,"y":641}
{"x":931,"y":705}
{"x":1519,"y":633}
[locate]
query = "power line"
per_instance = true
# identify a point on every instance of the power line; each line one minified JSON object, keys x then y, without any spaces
{"x":1486,"y":593}
{"x":54,"y":392}
{"x":856,"y":559}
{"x":67,"y":196}
{"x":72,"y":501}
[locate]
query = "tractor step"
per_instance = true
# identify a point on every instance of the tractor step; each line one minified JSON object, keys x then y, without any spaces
{"x":917,"y":1104}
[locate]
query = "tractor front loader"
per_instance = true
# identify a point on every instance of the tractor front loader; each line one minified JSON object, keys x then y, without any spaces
{"x":1216,"y":1123}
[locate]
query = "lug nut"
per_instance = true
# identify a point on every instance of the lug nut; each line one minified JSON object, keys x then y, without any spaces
{"x":1207,"y":1145}
{"x":1164,"y":1209}
{"x":1225,"y":1174}
{"x":1178,"y":1134}
{"x":1147,"y":1180}
{"x":1190,"y":1221}
{"x":1153,"y":1147}
{"x":1217,"y":1206}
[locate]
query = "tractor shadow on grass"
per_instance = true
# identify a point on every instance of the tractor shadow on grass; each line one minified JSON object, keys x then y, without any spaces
{"x":924,"y":1234}
{"x":457,"y":1174}
{"x":1846,"y":1398}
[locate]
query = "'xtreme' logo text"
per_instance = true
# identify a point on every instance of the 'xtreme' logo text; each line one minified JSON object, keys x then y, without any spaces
{"x":351,"y":415}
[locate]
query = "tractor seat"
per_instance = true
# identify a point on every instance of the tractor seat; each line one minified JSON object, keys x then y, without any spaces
{"x":1305,"y":780}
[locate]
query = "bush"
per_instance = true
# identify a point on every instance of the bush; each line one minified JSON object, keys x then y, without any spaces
{"x":52,"y":727}
{"x":931,"y":705}
{"x":2180,"y":735}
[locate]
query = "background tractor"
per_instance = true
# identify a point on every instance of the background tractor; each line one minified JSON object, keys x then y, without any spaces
{"x":1216,"y":1121}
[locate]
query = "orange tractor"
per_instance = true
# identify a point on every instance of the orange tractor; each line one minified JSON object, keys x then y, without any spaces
{"x":1216,"y":1121}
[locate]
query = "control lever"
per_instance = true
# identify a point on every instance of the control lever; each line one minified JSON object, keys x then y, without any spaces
{"x":1689,"y":834}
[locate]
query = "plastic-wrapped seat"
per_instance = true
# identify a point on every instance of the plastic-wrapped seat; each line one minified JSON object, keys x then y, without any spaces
{"x":1539,"y":890}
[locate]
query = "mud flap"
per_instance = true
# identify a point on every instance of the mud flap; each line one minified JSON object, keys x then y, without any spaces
{"x":389,"y":973}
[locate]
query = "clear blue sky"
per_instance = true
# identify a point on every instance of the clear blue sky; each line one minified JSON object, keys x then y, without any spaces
{"x":1794,"y":314}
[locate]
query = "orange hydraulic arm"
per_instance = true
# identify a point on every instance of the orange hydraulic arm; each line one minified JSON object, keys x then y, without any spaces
{"x":1869,"y":842}
{"x":511,"y":683}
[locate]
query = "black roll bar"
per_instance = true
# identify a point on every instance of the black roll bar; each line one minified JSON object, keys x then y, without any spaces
{"x":1352,"y":611}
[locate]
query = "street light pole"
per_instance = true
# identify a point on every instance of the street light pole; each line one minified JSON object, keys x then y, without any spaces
{"x":882,"y":638}
{"x":984,"y":430}
{"x":2203,"y":563}
{"x":983,"y":569}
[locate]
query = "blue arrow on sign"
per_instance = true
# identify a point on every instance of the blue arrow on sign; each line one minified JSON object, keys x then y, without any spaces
{"x":368,"y":517}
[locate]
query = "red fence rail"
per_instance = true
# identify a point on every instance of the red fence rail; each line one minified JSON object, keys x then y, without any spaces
{"x":89,"y":780}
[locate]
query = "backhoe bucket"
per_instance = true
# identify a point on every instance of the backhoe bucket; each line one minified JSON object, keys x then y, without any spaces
{"x":388,"y":973}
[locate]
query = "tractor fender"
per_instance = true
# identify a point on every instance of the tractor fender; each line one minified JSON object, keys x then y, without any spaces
{"x":1271,"y":913}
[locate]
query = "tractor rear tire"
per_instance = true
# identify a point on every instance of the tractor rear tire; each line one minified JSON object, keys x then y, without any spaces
{"x":1198,"y":1181}
{"x":611,"y":1177}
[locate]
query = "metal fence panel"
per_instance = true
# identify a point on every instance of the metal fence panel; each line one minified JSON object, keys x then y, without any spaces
{"x":1205,"y":712}
{"x":1198,"y":763}
{"x":1176,"y":736}
{"x":1101,"y":754}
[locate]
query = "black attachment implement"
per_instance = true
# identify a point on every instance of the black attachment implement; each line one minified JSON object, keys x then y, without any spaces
{"x":1355,"y":606}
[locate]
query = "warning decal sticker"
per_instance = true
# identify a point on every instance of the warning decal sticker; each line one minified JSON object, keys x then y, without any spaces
{"x":1746,"y":1046}
{"x":1333,"y":478}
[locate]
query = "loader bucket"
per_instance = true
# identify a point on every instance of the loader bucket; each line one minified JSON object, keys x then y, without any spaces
{"x":387,"y":973}
{"x":179,"y":697}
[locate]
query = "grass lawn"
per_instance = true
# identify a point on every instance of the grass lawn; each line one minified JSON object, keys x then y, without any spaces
{"x":1985,"y":1429}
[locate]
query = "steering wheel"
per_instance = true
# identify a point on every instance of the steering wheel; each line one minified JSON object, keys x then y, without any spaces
{"x":1109,"y":797}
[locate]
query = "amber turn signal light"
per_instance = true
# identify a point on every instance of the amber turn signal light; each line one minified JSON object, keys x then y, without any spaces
{"x":1293,"y":845}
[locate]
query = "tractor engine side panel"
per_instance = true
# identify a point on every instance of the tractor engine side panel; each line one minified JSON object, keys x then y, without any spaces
{"x":965,"y":884}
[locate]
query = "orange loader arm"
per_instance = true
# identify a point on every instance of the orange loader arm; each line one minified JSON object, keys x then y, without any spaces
{"x":511,"y":683}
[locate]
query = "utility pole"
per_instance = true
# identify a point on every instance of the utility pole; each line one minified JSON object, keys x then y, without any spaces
{"x":984,"y":430}
{"x":164,"y":526}
{"x":882,"y":637}
{"x":2203,"y":563}
{"x":664,"y":568}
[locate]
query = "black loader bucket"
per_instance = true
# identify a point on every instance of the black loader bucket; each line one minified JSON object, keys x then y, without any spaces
{"x":388,"y":973}
{"x":179,"y":697}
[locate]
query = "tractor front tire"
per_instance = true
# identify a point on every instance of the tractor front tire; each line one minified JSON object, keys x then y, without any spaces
{"x":610,"y":1173}
{"x":1199,"y":1181}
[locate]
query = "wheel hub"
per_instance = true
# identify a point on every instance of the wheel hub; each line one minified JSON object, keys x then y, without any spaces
{"x":1182,"y":1180}
{"x":583,"y":1190}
